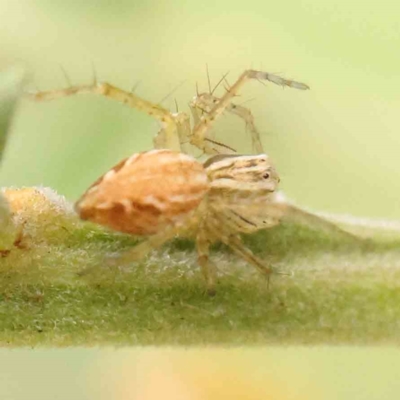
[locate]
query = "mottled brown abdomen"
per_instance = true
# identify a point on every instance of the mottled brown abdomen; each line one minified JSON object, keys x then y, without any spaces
{"x":146,"y":192}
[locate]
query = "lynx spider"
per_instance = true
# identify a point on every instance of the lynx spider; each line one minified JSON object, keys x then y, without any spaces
{"x":174,"y":194}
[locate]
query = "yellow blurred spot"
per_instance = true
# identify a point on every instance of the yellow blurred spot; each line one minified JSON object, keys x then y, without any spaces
{"x":202,"y":375}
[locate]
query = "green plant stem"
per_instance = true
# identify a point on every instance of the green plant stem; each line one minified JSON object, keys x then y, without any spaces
{"x":343,"y":288}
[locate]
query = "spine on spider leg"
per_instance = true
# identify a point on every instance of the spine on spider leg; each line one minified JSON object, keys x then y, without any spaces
{"x":225,"y":100}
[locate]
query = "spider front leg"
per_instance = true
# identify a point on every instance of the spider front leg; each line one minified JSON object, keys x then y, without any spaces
{"x":213,"y":146}
{"x":183,"y":129}
{"x":204,"y":102}
{"x":166,"y":138}
{"x":234,"y":242}
{"x":200,"y":131}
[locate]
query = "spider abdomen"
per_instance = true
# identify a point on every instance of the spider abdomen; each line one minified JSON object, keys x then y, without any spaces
{"x":146,"y":192}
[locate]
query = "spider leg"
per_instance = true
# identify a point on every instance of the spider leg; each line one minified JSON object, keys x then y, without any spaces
{"x":166,"y":137}
{"x":245,"y":114}
{"x":236,"y":244}
{"x":137,"y":253}
{"x":145,"y":247}
{"x":206,"y":101}
{"x":201,"y":129}
{"x":183,"y":129}
{"x":207,"y":267}
{"x":196,"y":109}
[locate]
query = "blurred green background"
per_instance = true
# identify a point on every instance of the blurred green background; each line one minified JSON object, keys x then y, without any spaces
{"x":336,"y":146}
{"x":296,"y":373}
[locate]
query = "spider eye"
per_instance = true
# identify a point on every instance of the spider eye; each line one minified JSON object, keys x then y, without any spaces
{"x":266,"y":175}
